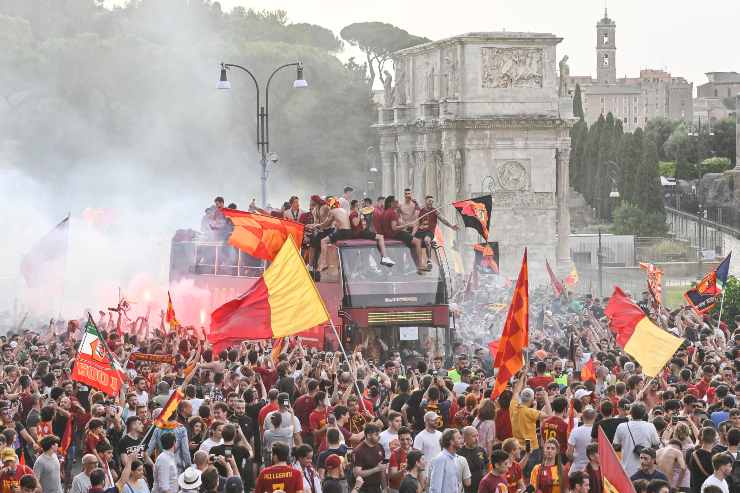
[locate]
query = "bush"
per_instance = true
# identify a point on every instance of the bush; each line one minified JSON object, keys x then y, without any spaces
{"x":731,"y":307}
{"x":667,"y":168}
{"x":631,"y":220}
{"x":714,"y":165}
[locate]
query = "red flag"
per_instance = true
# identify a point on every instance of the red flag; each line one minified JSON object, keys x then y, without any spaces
{"x":493,"y":347}
{"x":66,"y":437}
{"x":515,"y":336}
{"x":571,"y":416}
{"x":557,"y":286}
{"x":614,"y":475}
{"x":169,"y":409}
{"x":94,"y":365}
{"x":588,"y":372}
{"x":262,"y":236}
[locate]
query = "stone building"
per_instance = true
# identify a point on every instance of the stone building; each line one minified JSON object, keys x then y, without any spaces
{"x":714,"y":98}
{"x":483,"y":113}
{"x":633,"y":100}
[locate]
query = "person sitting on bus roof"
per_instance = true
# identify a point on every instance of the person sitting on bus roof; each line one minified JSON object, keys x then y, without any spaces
{"x":320,"y":212}
{"x":393,"y":228}
{"x":294,"y":210}
{"x":360,"y":231}
{"x":428,"y":217}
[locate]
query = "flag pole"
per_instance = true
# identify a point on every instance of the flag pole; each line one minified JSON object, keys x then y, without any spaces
{"x":721,"y":304}
{"x":341,"y":347}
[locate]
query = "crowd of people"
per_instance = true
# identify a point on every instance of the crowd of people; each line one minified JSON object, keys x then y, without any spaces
{"x":312,"y":421}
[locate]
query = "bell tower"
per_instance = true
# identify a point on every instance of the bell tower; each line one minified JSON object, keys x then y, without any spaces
{"x":606,"y":51}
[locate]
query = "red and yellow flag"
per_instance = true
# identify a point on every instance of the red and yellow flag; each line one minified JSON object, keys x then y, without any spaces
{"x":650,"y":345}
{"x":654,"y":281}
{"x":262,"y":236}
{"x":278,"y":347}
{"x":573,"y":277}
{"x":515,"y":336}
{"x":615,"y":477}
{"x":170,"y":317}
{"x":588,"y":372}
{"x":169,"y":410}
{"x":283,"y":302}
{"x":557,"y":286}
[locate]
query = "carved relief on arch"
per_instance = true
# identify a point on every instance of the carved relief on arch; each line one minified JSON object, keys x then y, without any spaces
{"x":459,"y":174}
{"x":419,"y":174}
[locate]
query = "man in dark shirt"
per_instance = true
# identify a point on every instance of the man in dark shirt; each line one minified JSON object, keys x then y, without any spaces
{"x":229,"y":449}
{"x":369,"y":459}
{"x":647,"y":469}
{"x":699,"y":459}
{"x":476,"y":457}
{"x":609,"y":423}
{"x":428,"y":218}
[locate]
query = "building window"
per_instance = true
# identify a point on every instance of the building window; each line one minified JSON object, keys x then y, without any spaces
{"x":716,"y":93}
{"x":606,"y":60}
{"x":625,"y":119}
{"x":605,"y":39}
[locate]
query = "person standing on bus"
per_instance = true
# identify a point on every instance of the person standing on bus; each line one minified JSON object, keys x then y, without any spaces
{"x":428,"y":217}
{"x":393,"y":228}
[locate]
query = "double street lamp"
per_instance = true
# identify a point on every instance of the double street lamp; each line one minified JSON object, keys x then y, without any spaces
{"x":263,"y":127}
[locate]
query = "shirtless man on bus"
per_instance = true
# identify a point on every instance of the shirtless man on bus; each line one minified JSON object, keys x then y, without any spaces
{"x":339,"y":218}
{"x":409,"y":211}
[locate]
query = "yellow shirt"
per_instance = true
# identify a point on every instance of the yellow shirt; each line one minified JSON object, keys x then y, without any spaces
{"x":524,"y":423}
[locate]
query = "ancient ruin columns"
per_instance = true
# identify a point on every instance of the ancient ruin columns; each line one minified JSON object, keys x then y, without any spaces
{"x":563,"y":248}
{"x":387,"y":162}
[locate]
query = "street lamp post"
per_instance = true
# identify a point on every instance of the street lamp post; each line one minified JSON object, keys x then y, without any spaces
{"x":263,"y":126}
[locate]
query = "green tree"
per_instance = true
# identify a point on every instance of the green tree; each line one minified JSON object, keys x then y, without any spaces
{"x":578,"y":103}
{"x":723,"y":140}
{"x":714,"y":165}
{"x":591,"y":159}
{"x":660,"y":129}
{"x":378,"y":41}
{"x":578,"y":136}
{"x":629,"y":219}
{"x":648,"y":191}
{"x":731,"y":306}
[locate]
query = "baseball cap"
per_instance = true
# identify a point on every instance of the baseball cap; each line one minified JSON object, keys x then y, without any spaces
{"x":283,"y":399}
{"x":333,"y":461}
{"x":581,"y":393}
{"x":8,"y":454}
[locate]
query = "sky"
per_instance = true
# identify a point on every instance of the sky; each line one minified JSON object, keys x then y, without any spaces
{"x":685,"y":37}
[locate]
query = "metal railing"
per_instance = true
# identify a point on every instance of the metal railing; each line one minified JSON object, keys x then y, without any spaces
{"x":220,"y":259}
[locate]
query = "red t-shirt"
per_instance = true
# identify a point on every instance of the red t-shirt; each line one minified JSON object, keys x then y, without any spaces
{"x":316,"y":421}
{"x":514,"y":475}
{"x":272,"y":406}
{"x":555,"y":427}
{"x":356,"y":228}
{"x":91,"y":441}
{"x":539,"y":381}
{"x":398,"y":459}
{"x":493,"y":484}
{"x":302,"y":408}
{"x":429,"y":218}
{"x":378,"y":219}
{"x":11,"y":480}
{"x":268,"y":376}
{"x":276,"y":478}
{"x":386,"y":223}
{"x":503,"y":425}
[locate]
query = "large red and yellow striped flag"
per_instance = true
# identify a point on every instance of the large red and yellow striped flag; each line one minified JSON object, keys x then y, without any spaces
{"x":515,"y":336}
{"x":262,"y":236}
{"x":169,"y":410}
{"x":283,"y":302}
{"x":650,"y":345}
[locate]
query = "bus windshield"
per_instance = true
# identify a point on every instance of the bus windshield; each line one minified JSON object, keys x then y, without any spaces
{"x":367,"y":283}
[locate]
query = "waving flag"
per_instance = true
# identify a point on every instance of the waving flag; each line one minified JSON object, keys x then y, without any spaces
{"x":705,"y":295}
{"x":262,"y":236}
{"x":283,"y":302}
{"x":169,"y":410}
{"x":43,"y":265}
{"x":170,"y":317}
{"x":94,"y":364}
{"x":476,"y":213}
{"x":557,"y":286}
{"x":573,"y":277}
{"x":588,"y":372}
{"x":615,"y":477}
{"x":515,"y":336}
{"x":654,"y":281}
{"x":650,"y":345}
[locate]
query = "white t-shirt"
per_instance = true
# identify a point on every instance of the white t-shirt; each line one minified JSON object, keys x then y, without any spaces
{"x":208,"y":444}
{"x":429,"y":444}
{"x":644,"y":434}
{"x":142,"y":398}
{"x":579,"y":438}
{"x":715,"y":481}
{"x":386,"y":437}
{"x":463,"y":472}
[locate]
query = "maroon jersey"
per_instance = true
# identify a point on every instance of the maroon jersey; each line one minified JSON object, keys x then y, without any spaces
{"x":557,"y":428}
{"x":428,"y":221}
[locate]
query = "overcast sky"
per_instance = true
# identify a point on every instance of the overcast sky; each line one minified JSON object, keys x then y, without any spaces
{"x":685,"y":37}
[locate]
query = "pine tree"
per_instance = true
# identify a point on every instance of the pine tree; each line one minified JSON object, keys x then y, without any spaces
{"x":648,"y":190}
{"x":683,"y":168}
{"x":627,"y":167}
{"x":591,"y":158}
{"x":578,"y":136}
{"x":578,"y":103}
